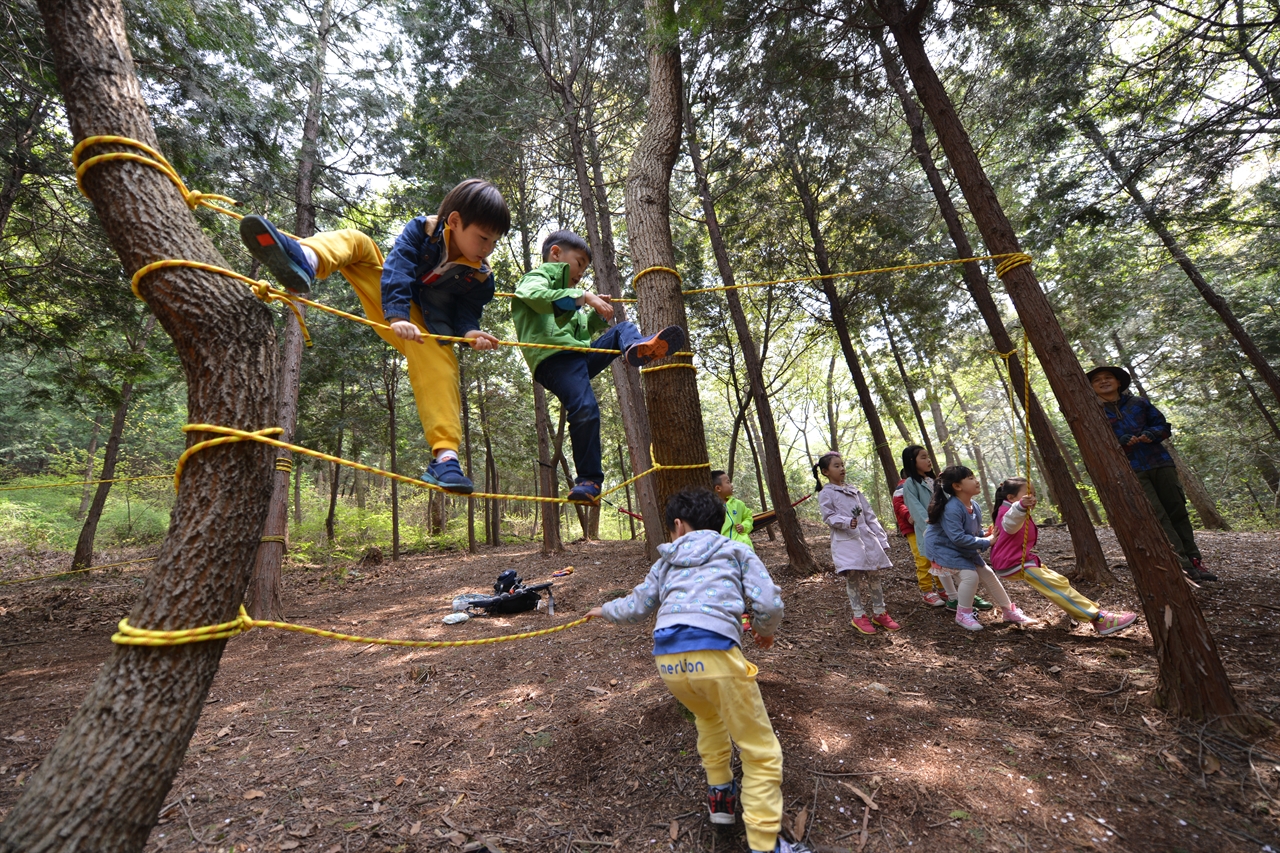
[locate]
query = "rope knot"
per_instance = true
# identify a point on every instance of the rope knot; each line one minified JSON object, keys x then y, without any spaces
{"x":1011,"y":262}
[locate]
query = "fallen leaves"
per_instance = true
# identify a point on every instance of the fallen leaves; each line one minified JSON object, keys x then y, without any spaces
{"x":254,"y":794}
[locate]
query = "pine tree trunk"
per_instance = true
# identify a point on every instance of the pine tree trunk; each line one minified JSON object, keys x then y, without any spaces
{"x":886,"y":398}
{"x":102,"y":784}
{"x":466,"y":445}
{"x":391,"y":392}
{"x":907,"y":384}
{"x":1090,"y":560}
{"x":675,"y":411}
{"x":775,"y":474}
{"x":92,"y":453}
{"x":622,"y":472}
{"x":841,"y":322}
{"x":19,"y":160}
{"x":1193,"y":682}
{"x":336,"y":482}
{"x":940,"y":428}
{"x":974,"y":447}
{"x":547,"y":484}
{"x":1257,"y":401}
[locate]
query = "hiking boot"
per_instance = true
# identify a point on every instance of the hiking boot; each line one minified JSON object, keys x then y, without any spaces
{"x":1014,"y":616}
{"x":885,"y":621}
{"x":669,"y":340}
{"x":448,"y":476}
{"x":934,"y":600}
{"x":585,"y":492}
{"x":1113,"y":623}
{"x":1198,"y":572}
{"x":279,"y":253}
{"x":863,"y":624}
{"x":722,"y":801}
{"x":966,"y":620}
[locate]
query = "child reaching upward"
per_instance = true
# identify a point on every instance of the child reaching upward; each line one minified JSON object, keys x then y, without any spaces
{"x":435,"y":277}
{"x":700,"y":587}
{"x":1013,"y":557}
{"x":859,"y":545}
{"x":955,"y":544}
{"x":737,"y":517}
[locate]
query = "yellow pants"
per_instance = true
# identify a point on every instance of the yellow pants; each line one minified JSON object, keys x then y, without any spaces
{"x":926,"y":581}
{"x":1057,"y":589}
{"x":720,"y":689}
{"x":433,"y":367}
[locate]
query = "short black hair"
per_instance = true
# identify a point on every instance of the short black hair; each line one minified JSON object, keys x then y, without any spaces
{"x":697,"y":507}
{"x":566,"y":240}
{"x":715,"y":478}
{"x":477,"y":201}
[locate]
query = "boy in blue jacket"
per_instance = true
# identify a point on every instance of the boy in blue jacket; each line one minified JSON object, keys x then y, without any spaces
{"x":435,"y":277}
{"x":700,"y":587}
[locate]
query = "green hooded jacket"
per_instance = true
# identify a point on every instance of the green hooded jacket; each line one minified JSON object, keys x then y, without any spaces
{"x":736,"y":512}
{"x":545,"y":311}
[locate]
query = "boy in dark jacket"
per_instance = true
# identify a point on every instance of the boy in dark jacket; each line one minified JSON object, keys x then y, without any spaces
{"x":435,"y":277}
{"x":1141,"y":429}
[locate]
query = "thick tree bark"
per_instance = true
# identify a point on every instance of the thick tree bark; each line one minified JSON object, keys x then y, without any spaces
{"x":1091,"y":563}
{"x":883,"y":452}
{"x":92,"y":453}
{"x":675,"y":412}
{"x":102,"y":784}
{"x":548,"y":487}
{"x":797,"y":548}
{"x":1193,"y":682}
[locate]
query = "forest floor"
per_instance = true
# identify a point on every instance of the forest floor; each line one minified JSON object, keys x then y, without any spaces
{"x":929,"y":738}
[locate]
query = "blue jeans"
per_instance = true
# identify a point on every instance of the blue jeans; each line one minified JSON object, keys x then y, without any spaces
{"x":568,"y":376}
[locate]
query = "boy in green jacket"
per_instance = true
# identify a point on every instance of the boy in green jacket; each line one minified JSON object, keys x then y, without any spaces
{"x":547,"y":310}
{"x":737,"y":517}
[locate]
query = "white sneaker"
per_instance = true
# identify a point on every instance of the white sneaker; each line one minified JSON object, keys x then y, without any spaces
{"x":967,"y":621}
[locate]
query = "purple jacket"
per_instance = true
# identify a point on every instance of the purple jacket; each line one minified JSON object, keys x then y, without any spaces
{"x":1133,"y":417}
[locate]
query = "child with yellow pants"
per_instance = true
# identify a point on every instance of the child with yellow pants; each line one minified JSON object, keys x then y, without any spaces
{"x":436,"y":278}
{"x":700,"y":588}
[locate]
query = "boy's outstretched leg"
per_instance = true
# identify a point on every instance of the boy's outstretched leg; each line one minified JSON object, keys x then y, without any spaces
{"x":664,"y":343}
{"x":284,"y":256}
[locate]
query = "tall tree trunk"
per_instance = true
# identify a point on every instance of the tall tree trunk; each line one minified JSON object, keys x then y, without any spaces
{"x":102,"y":784}
{"x":492,"y":510}
{"x":1193,"y":682}
{"x":757,"y":451}
{"x":548,"y":486}
{"x":675,"y":411}
{"x":83,"y":557}
{"x":1128,"y":180}
{"x":336,"y":483}
{"x":622,"y":472}
{"x":940,"y":427}
{"x":886,"y":398}
{"x":832,"y":422}
{"x":797,"y":548}
{"x":841,"y":322}
{"x":974,"y":447}
{"x":1257,"y":401}
{"x":466,"y":444}
{"x":1090,"y":560}
{"x":391,"y":392}
{"x":907,"y":384}
{"x":92,"y":453}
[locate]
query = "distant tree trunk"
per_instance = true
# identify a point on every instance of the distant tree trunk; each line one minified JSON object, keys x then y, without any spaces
{"x":1257,"y":401}
{"x":622,"y":472}
{"x":297,"y":496}
{"x":547,"y":483}
{"x":797,"y":549}
{"x":466,"y":443}
{"x":886,"y":398}
{"x":92,"y":453}
{"x":83,"y":557}
{"x":974,"y":447}
{"x":1193,"y":682}
{"x":675,"y":411}
{"x":1128,"y":180}
{"x":20,"y":160}
{"x":907,"y":384}
{"x":492,"y":509}
{"x":337,"y":469}
{"x":832,"y":422}
{"x":940,"y":427}
{"x":1090,"y":560}
{"x":757,"y":451}
{"x":841,"y":322}
{"x":103,"y":782}
{"x":391,"y":393}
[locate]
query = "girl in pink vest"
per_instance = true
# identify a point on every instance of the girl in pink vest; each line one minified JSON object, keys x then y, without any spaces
{"x":1013,"y":557}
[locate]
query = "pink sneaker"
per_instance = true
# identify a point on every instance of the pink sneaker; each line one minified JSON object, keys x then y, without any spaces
{"x":1016,"y":617}
{"x":885,"y":621}
{"x":966,"y":620}
{"x":863,"y":624}
{"x":1113,"y":623}
{"x":934,"y":600}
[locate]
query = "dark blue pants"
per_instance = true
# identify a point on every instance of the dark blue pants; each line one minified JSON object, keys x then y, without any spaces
{"x":568,"y":376}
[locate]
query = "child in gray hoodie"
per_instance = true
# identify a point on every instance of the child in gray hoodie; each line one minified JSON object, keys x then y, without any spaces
{"x":700,"y":588}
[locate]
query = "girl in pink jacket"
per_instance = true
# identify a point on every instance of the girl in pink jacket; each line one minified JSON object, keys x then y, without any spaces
{"x":1013,"y":557}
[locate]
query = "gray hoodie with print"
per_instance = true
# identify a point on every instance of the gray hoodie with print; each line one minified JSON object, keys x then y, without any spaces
{"x":705,"y":580}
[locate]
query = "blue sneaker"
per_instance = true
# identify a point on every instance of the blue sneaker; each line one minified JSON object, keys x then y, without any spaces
{"x":669,"y":340}
{"x":585,"y":492}
{"x":448,"y":476}
{"x":277,"y":252}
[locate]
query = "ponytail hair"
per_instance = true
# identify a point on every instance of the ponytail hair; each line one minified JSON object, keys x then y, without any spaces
{"x":909,"y":456}
{"x":942,"y":492}
{"x":823,"y":463}
{"x":1004,"y":491}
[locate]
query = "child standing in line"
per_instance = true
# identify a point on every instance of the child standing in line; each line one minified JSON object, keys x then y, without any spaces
{"x":955,"y":544}
{"x":435,"y":277}
{"x":737,"y":517}
{"x":859,"y":545}
{"x":700,"y":588}
{"x":1013,"y":557}
{"x":546,"y":310}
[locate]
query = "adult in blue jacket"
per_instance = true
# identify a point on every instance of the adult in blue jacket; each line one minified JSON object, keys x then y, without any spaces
{"x":1142,"y":430}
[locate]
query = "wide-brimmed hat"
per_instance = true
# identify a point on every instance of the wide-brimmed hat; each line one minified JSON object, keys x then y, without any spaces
{"x":1121,"y":375}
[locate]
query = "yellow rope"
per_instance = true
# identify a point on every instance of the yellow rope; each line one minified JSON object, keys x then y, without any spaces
{"x":279,"y":539}
{"x":1012,"y":261}
{"x":77,"y":571}
{"x":284,"y":463}
{"x":668,"y":367}
{"x":127,"y":635}
{"x":644,"y":272}
{"x":84,"y":483}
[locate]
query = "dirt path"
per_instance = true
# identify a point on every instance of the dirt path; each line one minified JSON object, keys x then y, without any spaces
{"x":930,"y":738}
